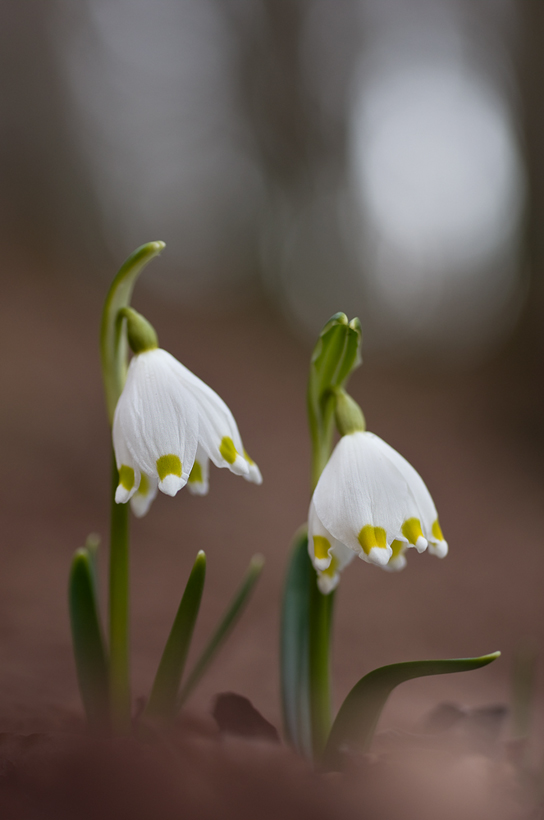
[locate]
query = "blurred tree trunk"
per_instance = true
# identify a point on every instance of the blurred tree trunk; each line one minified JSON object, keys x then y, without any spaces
{"x":527,"y":351}
{"x":46,"y":202}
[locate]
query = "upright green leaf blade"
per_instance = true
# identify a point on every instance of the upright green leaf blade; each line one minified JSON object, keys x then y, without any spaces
{"x":225,"y":627}
{"x":162,"y":702}
{"x":294,"y":648}
{"x":113,"y":344}
{"x":89,"y":651}
{"x":358,"y":716}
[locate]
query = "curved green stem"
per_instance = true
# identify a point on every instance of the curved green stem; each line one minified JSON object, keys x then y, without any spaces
{"x":113,"y":343}
{"x":114,"y":357}
{"x":119,"y":612}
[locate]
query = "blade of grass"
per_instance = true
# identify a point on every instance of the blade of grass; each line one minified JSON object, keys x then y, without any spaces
{"x":359,"y":714}
{"x":294,"y":647}
{"x":224,"y":628}
{"x":89,"y":651}
{"x":162,"y":701}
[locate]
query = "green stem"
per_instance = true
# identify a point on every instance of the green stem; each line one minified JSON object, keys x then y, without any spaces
{"x":119,"y":613}
{"x":320,"y":621}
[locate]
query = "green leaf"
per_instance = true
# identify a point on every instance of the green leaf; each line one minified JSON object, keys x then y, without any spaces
{"x":113,"y":342}
{"x":88,"y":642}
{"x":294,"y":647}
{"x":91,"y":545}
{"x":224,"y":628}
{"x":358,"y":716}
{"x":162,"y":702}
{"x":305,"y":654}
{"x":335,"y":356}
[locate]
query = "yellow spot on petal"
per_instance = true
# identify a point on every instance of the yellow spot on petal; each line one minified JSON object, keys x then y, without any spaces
{"x":143,"y":489}
{"x":195,"y":476}
{"x":126,"y":477}
{"x":332,"y":568}
{"x":248,"y":457}
{"x":370,"y":537}
{"x":437,"y":532}
{"x":398,"y":548}
{"x":168,"y":465}
{"x":228,"y":450}
{"x":321,"y":547}
{"x":411,"y":529}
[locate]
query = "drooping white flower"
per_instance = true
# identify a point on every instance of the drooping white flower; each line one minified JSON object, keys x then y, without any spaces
{"x":167,"y":425}
{"x":370,"y":502}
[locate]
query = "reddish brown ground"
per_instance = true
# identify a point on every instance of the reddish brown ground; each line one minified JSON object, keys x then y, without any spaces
{"x":483,"y":468}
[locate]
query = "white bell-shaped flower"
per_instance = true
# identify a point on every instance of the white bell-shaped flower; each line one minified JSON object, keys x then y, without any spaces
{"x":167,"y":425}
{"x":370,"y":502}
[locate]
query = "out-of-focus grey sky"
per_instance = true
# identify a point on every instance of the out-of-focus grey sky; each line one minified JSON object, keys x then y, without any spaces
{"x":364,"y":155}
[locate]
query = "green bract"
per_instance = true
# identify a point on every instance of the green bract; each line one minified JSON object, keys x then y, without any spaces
{"x":335,"y":356}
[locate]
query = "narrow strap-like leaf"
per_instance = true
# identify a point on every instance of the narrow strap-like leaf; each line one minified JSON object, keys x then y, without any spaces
{"x":224,"y":628}
{"x":113,"y":343}
{"x":358,"y":716}
{"x":162,"y":701}
{"x":294,"y":649}
{"x":89,"y":651}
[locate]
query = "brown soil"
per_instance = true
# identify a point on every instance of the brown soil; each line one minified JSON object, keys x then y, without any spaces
{"x":483,"y":470}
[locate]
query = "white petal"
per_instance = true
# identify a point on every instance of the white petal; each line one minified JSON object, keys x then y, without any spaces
{"x":398,"y":559}
{"x":254,"y":474}
{"x":199,"y":482}
{"x":320,"y":541}
{"x":440,"y":549}
{"x":337,"y":557}
{"x":423,"y":502}
{"x":157,"y":417}
{"x":144,"y":496}
{"x":360,"y":487}
{"x":124,"y":461}
{"x":219,"y":435}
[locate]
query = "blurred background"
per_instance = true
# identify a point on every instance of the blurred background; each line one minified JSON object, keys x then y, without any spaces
{"x":298,"y":157}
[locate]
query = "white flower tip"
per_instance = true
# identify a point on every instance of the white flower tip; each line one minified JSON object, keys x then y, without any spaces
{"x":240,"y":467}
{"x":321,"y":564}
{"x":122,"y":495}
{"x":378,"y":555}
{"x":439,"y":548}
{"x":171,"y":484}
{"x":396,"y":564}
{"x":140,"y":504}
{"x":198,"y":487}
{"x":326,"y":583}
{"x":421,"y":544}
{"x":254,"y":474}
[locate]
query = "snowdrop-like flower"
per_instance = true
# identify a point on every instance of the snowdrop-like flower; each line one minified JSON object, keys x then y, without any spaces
{"x":370,"y":502}
{"x":167,"y":426}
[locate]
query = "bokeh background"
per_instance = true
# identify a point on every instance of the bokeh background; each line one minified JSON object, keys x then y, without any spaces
{"x":380,"y":157}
